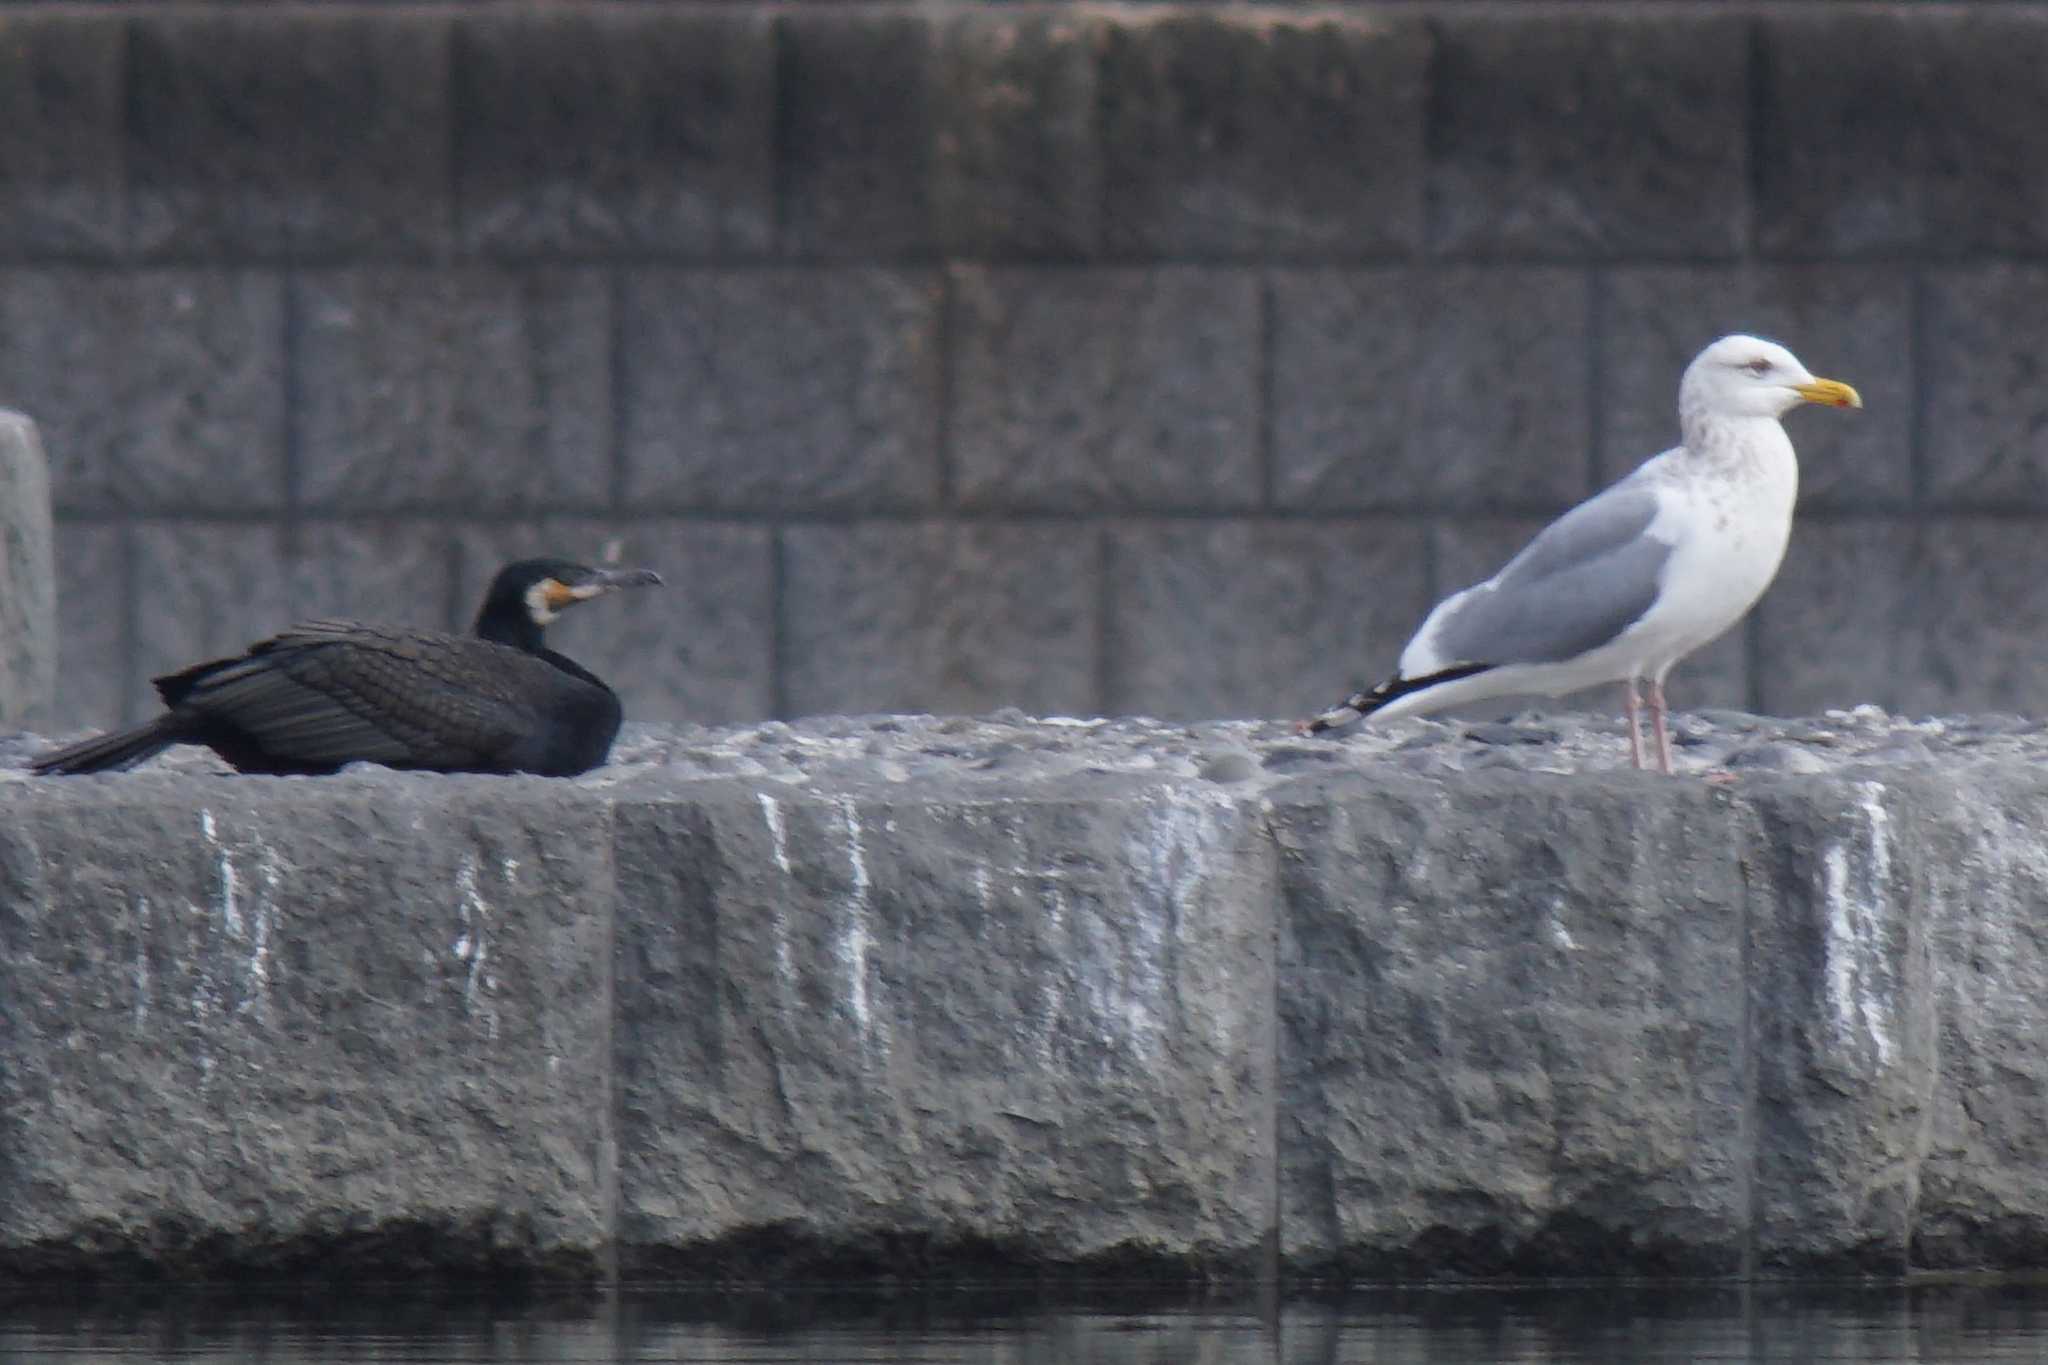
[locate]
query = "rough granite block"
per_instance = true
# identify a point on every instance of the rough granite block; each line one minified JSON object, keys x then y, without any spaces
{"x":1948,"y":101}
{"x":781,"y":390}
{"x":454,"y":390}
{"x":60,"y":134}
{"x":1274,"y":619}
{"x":922,"y":616}
{"x":1462,"y":388}
{"x":1987,"y":406}
{"x":1589,"y":136}
{"x":859,"y":996}
{"x":28,"y":578}
{"x":1016,"y":159}
{"x":282,"y":1027}
{"x":821,"y":1039}
{"x":313,"y":132}
{"x":855,"y":133}
{"x":1836,"y":629}
{"x":698,"y":649}
{"x":1850,"y":323}
{"x":1267,"y":135}
{"x":1985,"y":1134}
{"x":1096,"y":389}
{"x":599,"y":130}
{"x":157,"y":391}
{"x":1473,"y":549}
{"x":1491,"y":1059}
{"x":239,"y":572}
{"x":93,"y":683}
{"x":1842,"y":1023}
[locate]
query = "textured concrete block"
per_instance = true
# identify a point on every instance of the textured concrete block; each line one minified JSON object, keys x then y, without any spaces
{"x":1835,"y":630}
{"x":1459,"y":388}
{"x":1616,"y":134}
{"x":615,"y":130}
{"x":1016,"y":158}
{"x":1469,"y":550}
{"x":948,"y":618}
{"x":60,"y":134}
{"x":1256,"y":619}
{"x":277,"y":1026}
{"x":1974,"y":625}
{"x":1948,"y":101}
{"x":1275,"y":135}
{"x":699,"y":649}
{"x":1846,"y":322}
{"x":204,"y":590}
{"x":1842,"y":1023}
{"x":393,"y":572}
{"x":268,"y":134}
{"x":1080,"y":390}
{"x":454,"y":390}
{"x":822,"y":1039}
{"x":28,"y":577}
{"x":1490,"y":1058}
{"x":1980,"y":1197}
{"x":93,"y":665}
{"x":156,"y":391}
{"x":1987,"y":409}
{"x":854,"y":148}
{"x":781,"y":390}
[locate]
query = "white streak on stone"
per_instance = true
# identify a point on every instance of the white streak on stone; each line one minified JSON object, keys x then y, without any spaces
{"x":1172,"y":857}
{"x":1559,"y":935}
{"x":472,"y":941}
{"x":778,"y":832}
{"x":778,"y":915}
{"x":856,"y":936}
{"x":141,"y":962}
{"x":1860,"y":988}
{"x":270,"y":880}
{"x":224,"y":868}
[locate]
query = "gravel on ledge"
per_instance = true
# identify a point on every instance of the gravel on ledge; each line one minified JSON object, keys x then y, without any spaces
{"x":1250,"y":754}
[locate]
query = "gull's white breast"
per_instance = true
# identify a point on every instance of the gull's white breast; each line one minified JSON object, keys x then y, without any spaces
{"x":1727,"y":529}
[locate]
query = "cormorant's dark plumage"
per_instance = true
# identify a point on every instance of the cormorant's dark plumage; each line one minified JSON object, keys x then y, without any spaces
{"x":325,"y":693}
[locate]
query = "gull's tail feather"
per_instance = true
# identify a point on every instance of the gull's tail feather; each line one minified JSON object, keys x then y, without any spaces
{"x":108,"y":752}
{"x":1359,"y":705}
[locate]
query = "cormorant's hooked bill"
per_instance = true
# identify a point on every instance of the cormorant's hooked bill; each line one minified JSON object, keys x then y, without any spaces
{"x":324,"y":693}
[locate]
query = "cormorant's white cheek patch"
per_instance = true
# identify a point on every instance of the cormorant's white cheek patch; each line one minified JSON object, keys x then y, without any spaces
{"x":537,"y":602}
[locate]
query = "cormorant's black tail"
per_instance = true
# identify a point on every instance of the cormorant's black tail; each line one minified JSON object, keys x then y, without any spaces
{"x":105,"y":753}
{"x":1359,"y":705}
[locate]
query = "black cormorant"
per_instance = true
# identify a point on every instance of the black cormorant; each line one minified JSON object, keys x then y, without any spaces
{"x":325,"y":693}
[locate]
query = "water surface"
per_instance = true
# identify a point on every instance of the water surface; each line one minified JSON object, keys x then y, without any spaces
{"x":1524,"y":1325}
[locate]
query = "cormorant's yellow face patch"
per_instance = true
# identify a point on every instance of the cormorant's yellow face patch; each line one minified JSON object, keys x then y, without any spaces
{"x":545,"y":600}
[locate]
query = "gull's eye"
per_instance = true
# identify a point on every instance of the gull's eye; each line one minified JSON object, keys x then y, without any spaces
{"x":1758,"y":367}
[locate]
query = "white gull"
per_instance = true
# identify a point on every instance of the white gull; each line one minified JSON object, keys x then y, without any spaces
{"x":1638,"y":576}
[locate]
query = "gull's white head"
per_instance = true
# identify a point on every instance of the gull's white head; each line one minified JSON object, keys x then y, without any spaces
{"x":1745,"y":376}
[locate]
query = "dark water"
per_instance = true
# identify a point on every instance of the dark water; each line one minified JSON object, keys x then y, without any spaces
{"x":1949,"y":1322}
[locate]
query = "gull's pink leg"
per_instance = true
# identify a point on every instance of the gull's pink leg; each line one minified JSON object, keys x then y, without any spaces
{"x":1635,"y":725}
{"x":1657,"y":719}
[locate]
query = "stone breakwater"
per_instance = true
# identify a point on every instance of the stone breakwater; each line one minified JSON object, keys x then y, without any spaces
{"x":940,"y":995}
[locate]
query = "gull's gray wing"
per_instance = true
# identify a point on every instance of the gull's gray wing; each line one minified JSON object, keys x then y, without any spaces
{"x":1585,"y":579}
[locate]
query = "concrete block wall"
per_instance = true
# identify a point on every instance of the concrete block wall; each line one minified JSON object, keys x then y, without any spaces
{"x":1157,"y":358}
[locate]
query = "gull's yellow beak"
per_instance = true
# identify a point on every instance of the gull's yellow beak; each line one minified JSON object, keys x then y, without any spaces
{"x":1829,"y":393}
